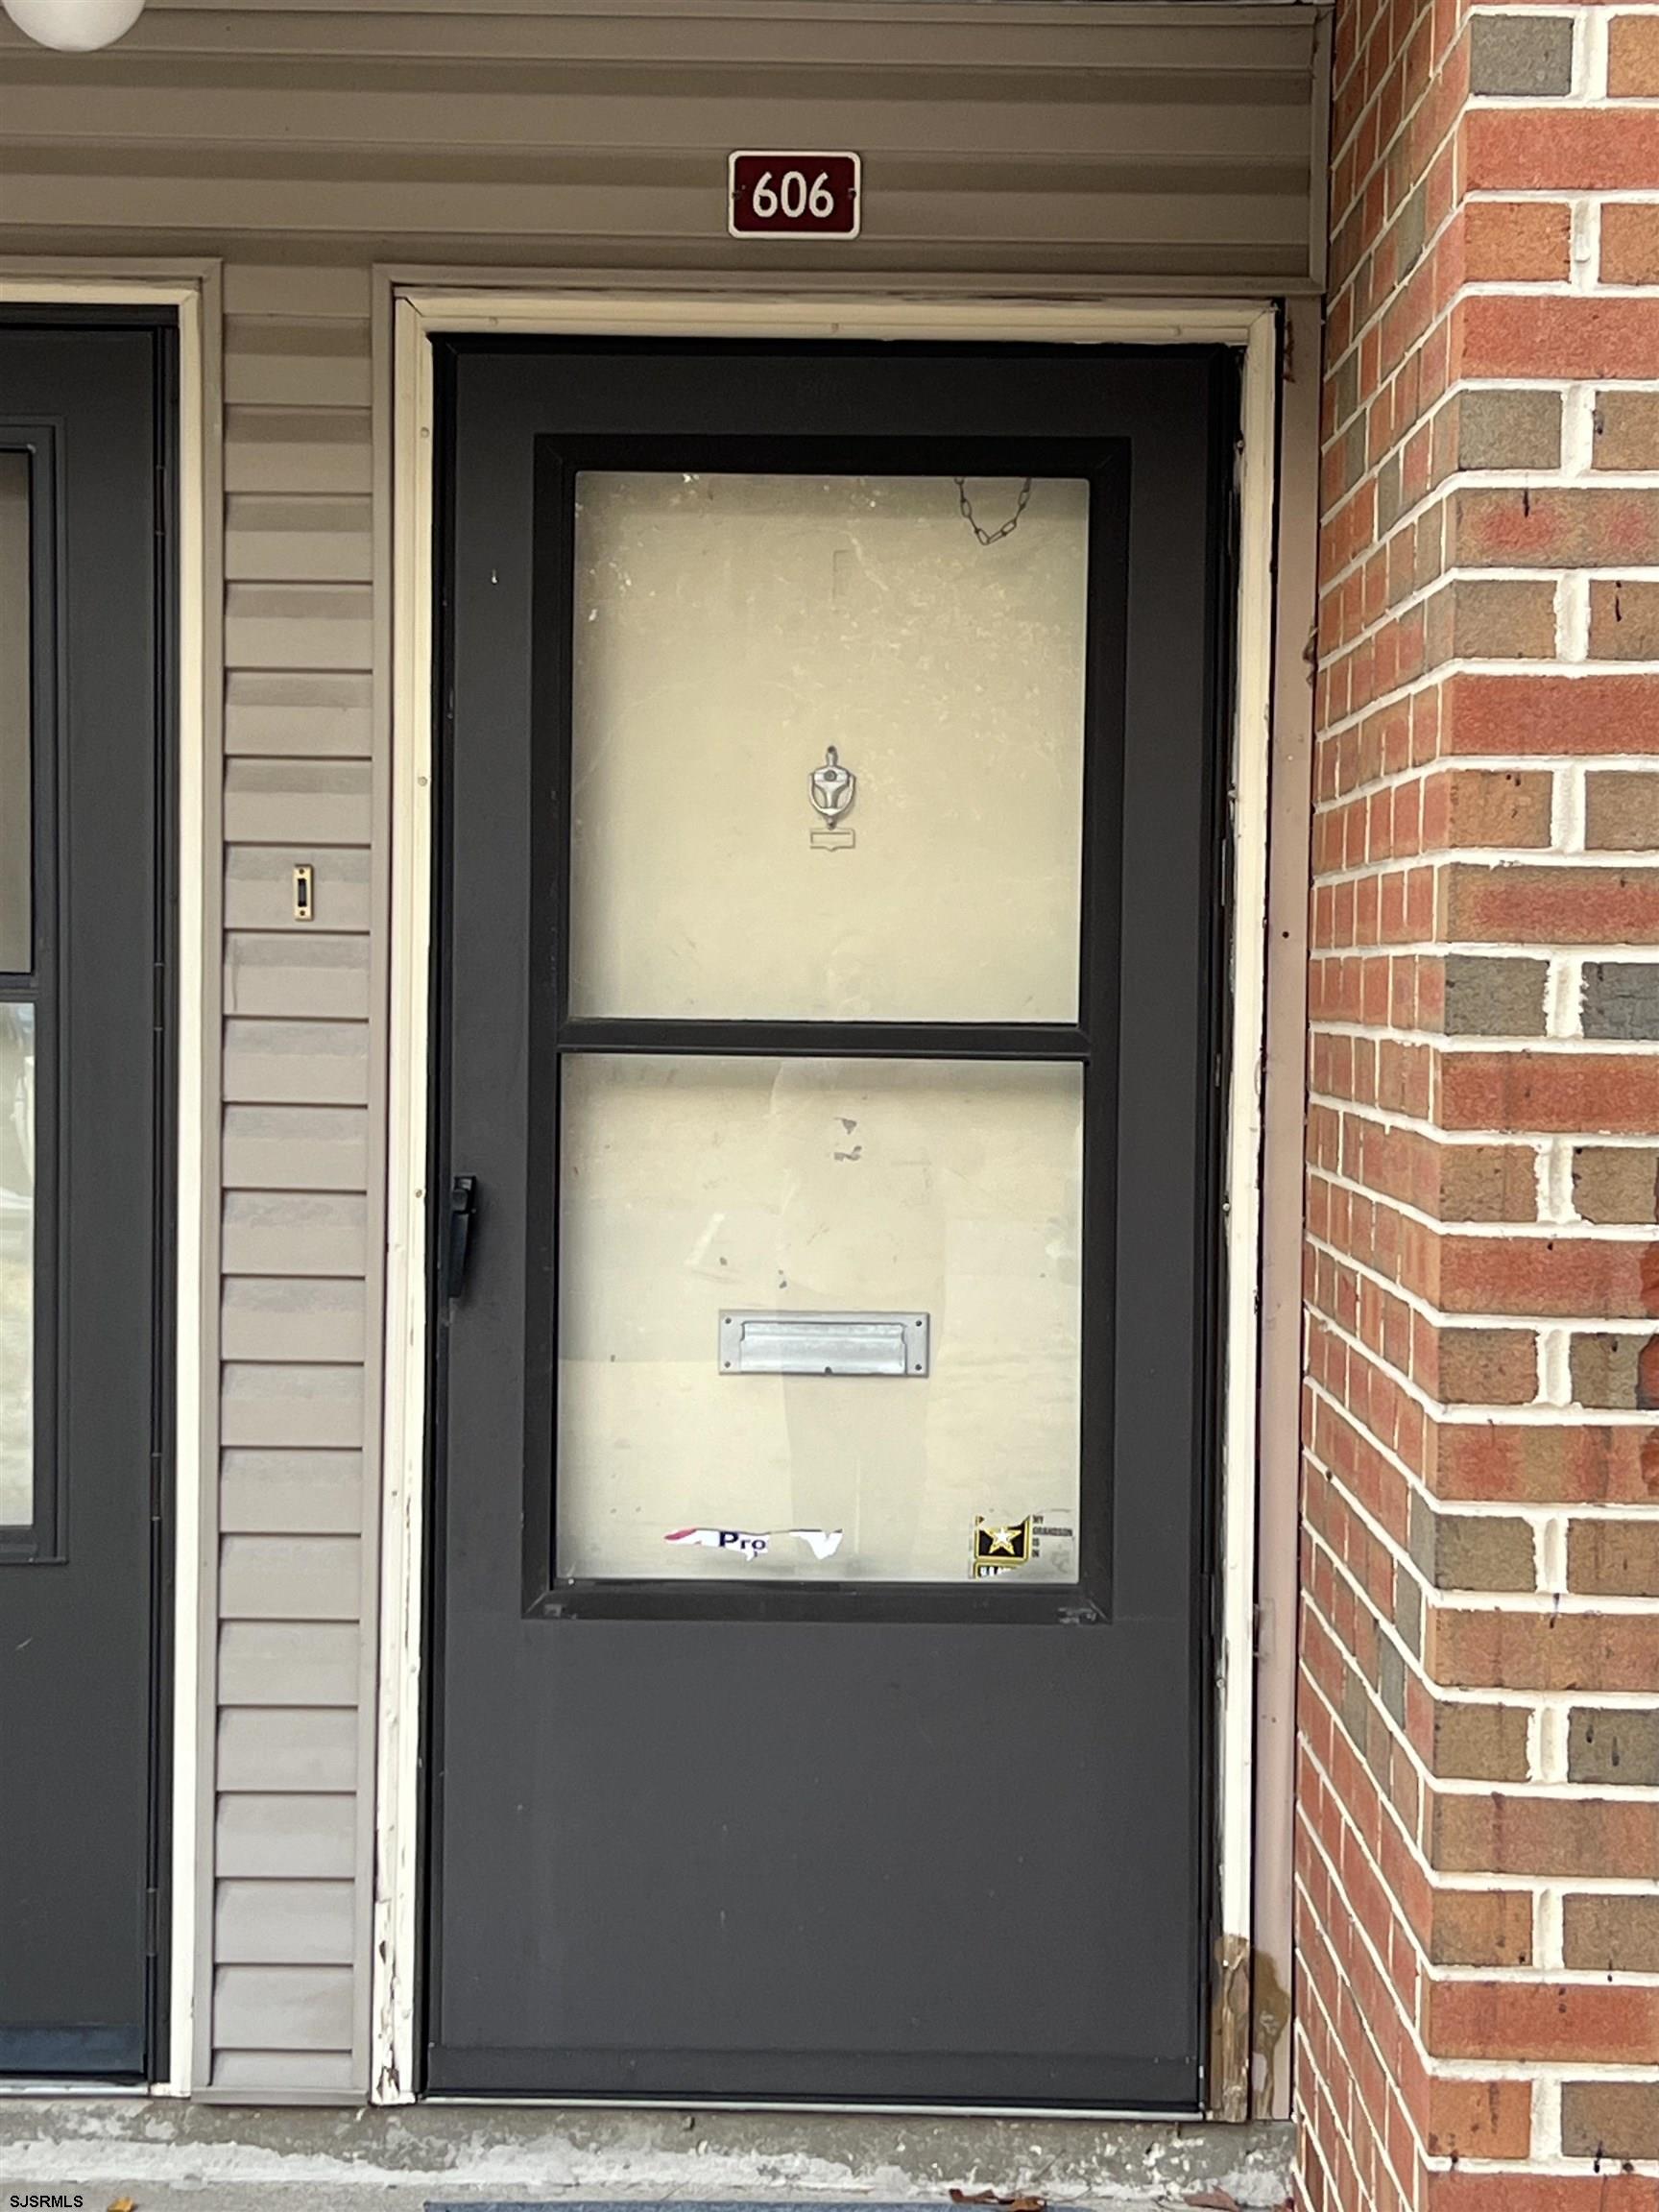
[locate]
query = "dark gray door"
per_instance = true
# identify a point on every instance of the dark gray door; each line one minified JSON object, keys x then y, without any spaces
{"x":824,"y":1222}
{"x":84,"y":1181}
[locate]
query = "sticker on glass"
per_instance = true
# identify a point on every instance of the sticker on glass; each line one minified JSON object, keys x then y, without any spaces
{"x":753,"y":1543}
{"x":1041,"y":1545}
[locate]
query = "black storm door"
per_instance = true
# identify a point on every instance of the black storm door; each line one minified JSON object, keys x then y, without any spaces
{"x":824,"y":1222}
{"x":84,"y":1187}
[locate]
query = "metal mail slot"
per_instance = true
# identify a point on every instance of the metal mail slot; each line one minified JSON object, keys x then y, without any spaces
{"x":824,"y":1343}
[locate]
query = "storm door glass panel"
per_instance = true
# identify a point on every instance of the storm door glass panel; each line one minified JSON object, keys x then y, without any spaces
{"x":16,"y":1007}
{"x":17,"y":784}
{"x":17,"y":1265}
{"x":875,"y":1193}
{"x":826,"y":746}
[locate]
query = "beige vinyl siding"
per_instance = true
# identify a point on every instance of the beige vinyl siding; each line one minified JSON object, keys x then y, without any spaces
{"x":290,"y":1662}
{"x":266,"y":1836}
{"x":284,"y":1923}
{"x":299,"y":1296}
{"x":296,"y":2077}
{"x":1143,"y":143}
{"x":1009,"y":145}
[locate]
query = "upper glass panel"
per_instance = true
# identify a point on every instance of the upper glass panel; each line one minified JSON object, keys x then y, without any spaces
{"x":16,"y":806}
{"x":828,"y":747}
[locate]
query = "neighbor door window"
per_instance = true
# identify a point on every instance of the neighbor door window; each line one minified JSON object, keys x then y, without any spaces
{"x":19,"y":992}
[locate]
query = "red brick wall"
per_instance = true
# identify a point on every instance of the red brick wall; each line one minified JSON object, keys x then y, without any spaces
{"x":1478,"y":2025}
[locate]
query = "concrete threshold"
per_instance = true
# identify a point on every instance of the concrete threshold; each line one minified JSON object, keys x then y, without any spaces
{"x":165,"y":2155}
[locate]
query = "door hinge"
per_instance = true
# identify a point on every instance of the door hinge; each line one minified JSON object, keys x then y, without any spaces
{"x":164,"y":515}
{"x":157,"y":1484}
{"x":152,"y":1923}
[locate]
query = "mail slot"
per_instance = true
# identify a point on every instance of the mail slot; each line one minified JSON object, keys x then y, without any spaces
{"x":822,"y":1343}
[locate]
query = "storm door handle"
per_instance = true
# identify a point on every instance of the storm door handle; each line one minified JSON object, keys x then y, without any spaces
{"x":458,"y":1240}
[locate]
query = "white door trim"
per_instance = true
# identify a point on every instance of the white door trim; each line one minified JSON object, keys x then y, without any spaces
{"x":420,"y":308}
{"x":192,"y":291}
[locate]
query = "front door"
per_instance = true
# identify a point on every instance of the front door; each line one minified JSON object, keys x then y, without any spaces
{"x":824,"y":1226}
{"x":84,"y":1179}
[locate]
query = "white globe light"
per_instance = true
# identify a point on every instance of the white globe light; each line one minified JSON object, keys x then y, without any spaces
{"x":74,"y":26}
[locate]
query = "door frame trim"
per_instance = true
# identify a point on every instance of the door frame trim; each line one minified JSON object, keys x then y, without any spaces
{"x":411,"y":308}
{"x":191,"y":290}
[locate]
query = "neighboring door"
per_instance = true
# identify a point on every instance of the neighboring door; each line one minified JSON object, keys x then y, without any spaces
{"x":824,"y":1221}
{"x":84,"y":1180}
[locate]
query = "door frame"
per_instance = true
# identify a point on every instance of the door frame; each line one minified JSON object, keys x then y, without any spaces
{"x":189,"y":291}
{"x":412,"y":309}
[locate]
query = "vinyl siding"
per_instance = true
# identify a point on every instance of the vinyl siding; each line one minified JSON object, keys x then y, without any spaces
{"x":1142,"y":143}
{"x":266,"y":1836}
{"x":284,"y":1923}
{"x":1032,"y":147}
{"x":299,"y":1306}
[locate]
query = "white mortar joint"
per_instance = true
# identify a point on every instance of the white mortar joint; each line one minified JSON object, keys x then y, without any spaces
{"x":1573,"y":615}
{"x":1568,"y":790}
{"x":1546,"y":2117}
{"x":1551,"y":1749}
{"x":1552,"y":1549}
{"x":1590,"y":55}
{"x":1579,"y":429}
{"x":1554,"y":1374}
{"x":1564,"y":995}
{"x":1548,"y":1934}
{"x":1556,"y":1183}
{"x":1585,"y":251}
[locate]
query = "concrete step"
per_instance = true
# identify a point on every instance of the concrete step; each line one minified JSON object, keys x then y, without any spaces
{"x":163,"y":2154}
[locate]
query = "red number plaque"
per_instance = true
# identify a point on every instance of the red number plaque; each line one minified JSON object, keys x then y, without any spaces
{"x":794,"y":196}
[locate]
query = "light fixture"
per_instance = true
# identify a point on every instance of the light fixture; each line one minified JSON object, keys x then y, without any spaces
{"x":74,"y":26}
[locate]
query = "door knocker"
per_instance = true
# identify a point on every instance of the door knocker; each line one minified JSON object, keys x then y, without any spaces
{"x":833,"y":790}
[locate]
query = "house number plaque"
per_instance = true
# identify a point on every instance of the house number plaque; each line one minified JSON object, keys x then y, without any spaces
{"x":793,"y":196}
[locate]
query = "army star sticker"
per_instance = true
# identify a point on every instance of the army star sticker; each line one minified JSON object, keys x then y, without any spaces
{"x":1001,"y":1547}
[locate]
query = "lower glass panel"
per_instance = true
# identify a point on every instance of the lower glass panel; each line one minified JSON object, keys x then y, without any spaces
{"x":874,"y":1196}
{"x":16,"y":1265}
